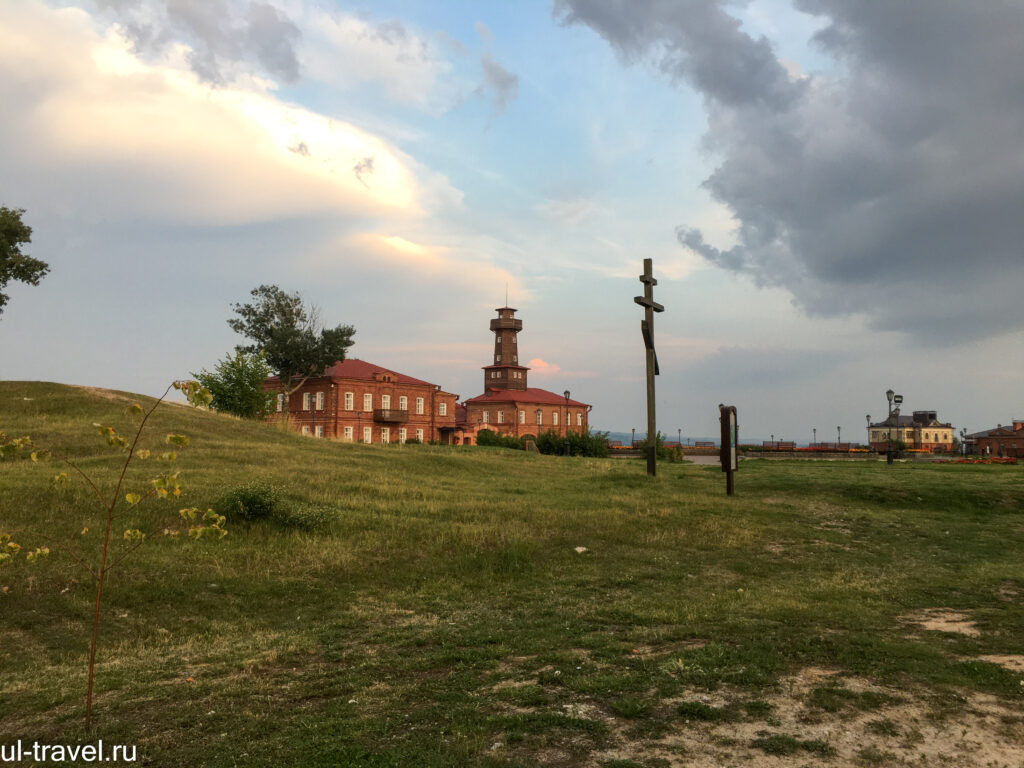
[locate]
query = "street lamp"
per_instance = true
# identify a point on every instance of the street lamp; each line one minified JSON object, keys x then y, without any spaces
{"x":359,"y":426}
{"x":839,"y":438}
{"x":814,"y":432}
{"x":868,"y":419}
{"x":632,"y":443}
{"x":679,"y":432}
{"x":963,"y":442}
{"x":894,"y":414}
{"x":566,"y":425}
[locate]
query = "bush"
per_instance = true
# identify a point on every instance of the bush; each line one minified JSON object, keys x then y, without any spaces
{"x":490,"y":437}
{"x":593,"y":444}
{"x":254,"y":501}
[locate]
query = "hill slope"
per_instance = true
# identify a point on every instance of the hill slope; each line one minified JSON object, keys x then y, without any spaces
{"x":433,"y":608}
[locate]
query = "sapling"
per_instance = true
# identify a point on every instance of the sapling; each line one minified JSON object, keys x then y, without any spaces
{"x":115,"y":506}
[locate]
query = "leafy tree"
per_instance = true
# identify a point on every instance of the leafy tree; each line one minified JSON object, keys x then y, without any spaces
{"x":236,"y":385}
{"x":14,"y":265}
{"x":293,"y":341}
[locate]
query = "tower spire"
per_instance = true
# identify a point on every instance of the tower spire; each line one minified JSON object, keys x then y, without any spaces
{"x":505,"y":372}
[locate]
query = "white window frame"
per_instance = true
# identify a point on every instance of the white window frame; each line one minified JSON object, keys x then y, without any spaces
{"x":349,"y":434}
{"x":442,"y":409}
{"x":367,"y":434}
{"x":307,"y":399}
{"x":554,"y":418}
{"x":540,"y":418}
{"x":318,"y":430}
{"x":319,"y":401}
{"x":419,"y":405}
{"x":403,"y":403}
{"x":280,"y":402}
{"x":487,"y":417}
{"x":402,"y":434}
{"x":305,"y":429}
{"x":579,"y":418}
{"x":501,"y":417}
{"x":367,"y":401}
{"x":522,"y":417}
{"x":419,"y":435}
{"x":385,"y":435}
{"x":350,"y":401}
{"x":385,"y":402}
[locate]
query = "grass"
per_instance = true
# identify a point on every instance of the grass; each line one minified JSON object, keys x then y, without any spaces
{"x":436,"y":613}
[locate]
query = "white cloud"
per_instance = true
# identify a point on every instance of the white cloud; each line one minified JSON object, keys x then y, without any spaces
{"x":99,"y":127}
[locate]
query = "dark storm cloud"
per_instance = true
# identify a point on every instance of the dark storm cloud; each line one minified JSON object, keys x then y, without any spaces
{"x":220,"y":32}
{"x":894,"y":187}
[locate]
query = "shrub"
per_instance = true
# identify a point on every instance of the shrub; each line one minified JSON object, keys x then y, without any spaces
{"x":490,"y":437}
{"x":593,"y":444}
{"x":257,"y":500}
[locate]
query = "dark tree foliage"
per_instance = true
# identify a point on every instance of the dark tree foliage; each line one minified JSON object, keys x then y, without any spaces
{"x":593,"y":444}
{"x":236,"y":384}
{"x":14,"y":265}
{"x":293,"y":342}
{"x":490,"y":437}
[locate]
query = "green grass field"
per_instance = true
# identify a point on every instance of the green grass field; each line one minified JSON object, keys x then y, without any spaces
{"x":432,"y":608}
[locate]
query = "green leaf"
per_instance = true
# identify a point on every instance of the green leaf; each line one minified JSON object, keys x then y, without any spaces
{"x":134,"y":534}
{"x":132,"y":498}
{"x":142,"y":453}
{"x":177,"y":440}
{"x":135,"y":409}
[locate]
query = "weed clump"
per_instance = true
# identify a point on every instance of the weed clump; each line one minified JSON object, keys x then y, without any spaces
{"x":260,"y":501}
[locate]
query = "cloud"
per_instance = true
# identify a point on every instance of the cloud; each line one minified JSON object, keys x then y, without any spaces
{"x":539,"y":367}
{"x":500,"y":85}
{"x":344,"y":50}
{"x":221,"y":34}
{"x":103,"y":130}
{"x":890,"y":186}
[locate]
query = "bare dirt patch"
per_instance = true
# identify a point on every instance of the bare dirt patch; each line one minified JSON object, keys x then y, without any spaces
{"x":908,"y":729}
{"x":943,"y":620}
{"x":1011,"y":662}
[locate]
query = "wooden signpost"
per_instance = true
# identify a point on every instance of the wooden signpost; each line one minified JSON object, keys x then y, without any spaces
{"x":647,"y":330}
{"x":729,"y":452}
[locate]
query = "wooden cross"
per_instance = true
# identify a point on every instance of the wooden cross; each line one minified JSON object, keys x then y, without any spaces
{"x":647,"y":329}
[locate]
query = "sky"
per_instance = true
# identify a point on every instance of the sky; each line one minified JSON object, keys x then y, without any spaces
{"x":831,"y":194}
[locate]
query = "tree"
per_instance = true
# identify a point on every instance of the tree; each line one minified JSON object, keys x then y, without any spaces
{"x":290,"y":336}
{"x":236,"y":384}
{"x":14,"y":265}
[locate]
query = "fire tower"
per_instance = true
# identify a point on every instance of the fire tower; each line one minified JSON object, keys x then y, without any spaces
{"x":505,"y":373}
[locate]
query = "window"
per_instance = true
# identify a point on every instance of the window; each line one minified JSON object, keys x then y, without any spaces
{"x":501,"y":417}
{"x":419,"y":435}
{"x":348,"y":434}
{"x":579,"y":419}
{"x":385,"y":435}
{"x":403,"y":403}
{"x":515,"y":358}
{"x":367,"y":402}
{"x":367,"y":434}
{"x":385,"y":402}
{"x":319,"y":401}
{"x":318,"y":430}
{"x":280,"y":402}
{"x":350,"y":401}
{"x":522,"y":417}
{"x":442,"y":409}
{"x":306,"y":400}
{"x":540,"y":417}
{"x":554,"y":418}
{"x":402,"y":432}
{"x":487,"y":417}
{"x":497,"y":358}
{"x":305,"y":430}
{"x":419,"y":405}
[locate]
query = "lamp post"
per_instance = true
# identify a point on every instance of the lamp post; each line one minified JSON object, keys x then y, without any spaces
{"x":566,"y":425}
{"x":963,"y":442}
{"x":839,"y":438}
{"x":679,"y":432}
{"x":894,"y":414}
{"x":814,"y":433}
{"x":359,"y":426}
{"x":868,"y":419}
{"x":632,"y":443}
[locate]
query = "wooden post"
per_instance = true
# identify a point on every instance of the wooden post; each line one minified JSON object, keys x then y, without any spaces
{"x":729,"y":450}
{"x":647,"y":330}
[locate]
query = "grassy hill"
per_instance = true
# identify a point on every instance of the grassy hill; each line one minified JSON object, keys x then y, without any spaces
{"x":428,"y":606}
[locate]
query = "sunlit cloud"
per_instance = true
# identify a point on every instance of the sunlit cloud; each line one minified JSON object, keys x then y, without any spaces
{"x":539,"y":367}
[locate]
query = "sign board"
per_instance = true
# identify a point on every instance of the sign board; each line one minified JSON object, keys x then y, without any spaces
{"x":898,"y":399}
{"x":730,"y":438}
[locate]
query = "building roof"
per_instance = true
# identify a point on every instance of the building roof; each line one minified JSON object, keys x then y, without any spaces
{"x":902,"y":421}
{"x":354,"y":368}
{"x":531,"y":395}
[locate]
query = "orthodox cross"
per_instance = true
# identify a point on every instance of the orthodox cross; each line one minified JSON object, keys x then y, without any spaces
{"x":647,"y":329}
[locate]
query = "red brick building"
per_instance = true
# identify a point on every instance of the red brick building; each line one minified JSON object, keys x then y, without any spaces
{"x":509,"y":405}
{"x":1001,"y":441}
{"x":362,"y":402}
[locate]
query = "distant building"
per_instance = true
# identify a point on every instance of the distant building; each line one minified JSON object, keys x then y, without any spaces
{"x":923,"y":431}
{"x":999,"y":441}
{"x":509,"y":405}
{"x":358,"y":401}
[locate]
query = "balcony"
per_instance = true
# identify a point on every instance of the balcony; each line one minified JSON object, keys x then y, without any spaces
{"x":390,"y":415}
{"x":506,"y":324}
